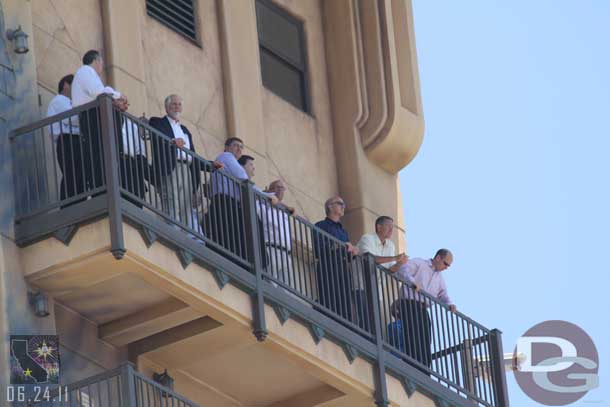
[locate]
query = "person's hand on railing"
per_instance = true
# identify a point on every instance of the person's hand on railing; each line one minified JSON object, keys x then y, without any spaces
{"x":452,"y":308}
{"x":121,"y":103}
{"x":400,"y":260}
{"x":351,"y":249}
{"x":179,"y":142}
{"x":274,"y":200}
{"x":217,"y":165}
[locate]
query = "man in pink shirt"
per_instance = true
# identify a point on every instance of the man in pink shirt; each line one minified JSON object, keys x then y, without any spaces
{"x":424,"y":274}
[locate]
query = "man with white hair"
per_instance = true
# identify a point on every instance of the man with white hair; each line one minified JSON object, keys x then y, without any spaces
{"x":175,"y":176}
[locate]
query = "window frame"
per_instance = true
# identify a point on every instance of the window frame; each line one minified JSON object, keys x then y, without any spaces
{"x":299,"y":23}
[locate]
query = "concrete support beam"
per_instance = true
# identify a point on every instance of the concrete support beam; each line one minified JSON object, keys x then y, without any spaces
{"x":166,"y":315}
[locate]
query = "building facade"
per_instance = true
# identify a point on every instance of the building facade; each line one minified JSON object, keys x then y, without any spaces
{"x":324,"y":94}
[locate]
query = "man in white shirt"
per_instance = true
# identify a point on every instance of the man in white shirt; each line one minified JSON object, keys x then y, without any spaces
{"x":86,"y":87}
{"x":424,"y":274}
{"x":275,"y":220}
{"x":379,"y":245}
{"x":66,"y":135}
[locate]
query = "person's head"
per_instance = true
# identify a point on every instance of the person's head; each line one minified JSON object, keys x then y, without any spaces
{"x":278,"y":188}
{"x":442,"y":260}
{"x":173,"y":106}
{"x":334,"y":207}
{"x":384,"y":226}
{"x":247,"y":161}
{"x":234,"y":146}
{"x":65,"y":85}
{"x":94,"y":59}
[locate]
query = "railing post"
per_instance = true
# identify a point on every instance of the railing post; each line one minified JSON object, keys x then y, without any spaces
{"x":497,"y":360}
{"x":128,"y":388}
{"x":108,"y":138}
{"x":372,"y":296}
{"x":253,"y":245}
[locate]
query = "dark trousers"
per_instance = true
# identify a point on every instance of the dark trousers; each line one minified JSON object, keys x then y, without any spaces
{"x":363,"y":316}
{"x":92,"y":148}
{"x":416,"y":330}
{"x":335,"y":284}
{"x":71,"y":160}
{"x":132,"y":170}
{"x":225,"y":226}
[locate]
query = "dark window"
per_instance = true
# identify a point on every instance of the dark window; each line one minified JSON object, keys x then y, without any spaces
{"x":179,"y":15}
{"x":283,"y":54}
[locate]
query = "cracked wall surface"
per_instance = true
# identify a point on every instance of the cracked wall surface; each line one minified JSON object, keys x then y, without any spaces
{"x":299,"y":147}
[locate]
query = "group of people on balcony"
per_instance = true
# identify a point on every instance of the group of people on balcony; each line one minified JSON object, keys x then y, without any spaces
{"x":175,"y":175}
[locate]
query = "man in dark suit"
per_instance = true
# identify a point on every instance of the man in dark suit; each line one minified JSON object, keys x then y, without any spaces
{"x":176,"y":173}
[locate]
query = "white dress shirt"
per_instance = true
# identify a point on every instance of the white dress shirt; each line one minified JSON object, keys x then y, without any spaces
{"x":422,"y":273}
{"x":60,"y":104}
{"x":179,"y":134}
{"x":132,"y":142}
{"x":87,"y":85}
{"x":371,"y":243}
{"x":276,"y":225}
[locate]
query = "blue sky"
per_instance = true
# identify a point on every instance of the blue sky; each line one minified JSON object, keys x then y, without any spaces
{"x":513,"y":173}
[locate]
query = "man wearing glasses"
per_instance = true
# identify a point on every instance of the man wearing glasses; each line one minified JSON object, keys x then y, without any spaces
{"x":333,"y":251}
{"x":424,"y":274}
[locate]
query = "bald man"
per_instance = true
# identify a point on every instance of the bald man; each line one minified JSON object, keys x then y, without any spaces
{"x":334,"y":277}
{"x":278,"y":241}
{"x":424,"y":274}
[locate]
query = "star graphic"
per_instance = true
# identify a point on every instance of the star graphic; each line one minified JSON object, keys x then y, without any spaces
{"x":27,"y":372}
{"x":44,"y":350}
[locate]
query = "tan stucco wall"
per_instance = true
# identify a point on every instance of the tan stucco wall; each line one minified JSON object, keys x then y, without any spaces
{"x":319,"y":154}
{"x":62,"y":32}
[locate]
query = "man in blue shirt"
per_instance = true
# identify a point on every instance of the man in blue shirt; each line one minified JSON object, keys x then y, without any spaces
{"x":225,"y":221}
{"x":334,"y":250}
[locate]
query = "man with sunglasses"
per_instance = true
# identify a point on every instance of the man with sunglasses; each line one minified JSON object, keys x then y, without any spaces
{"x":423,"y":274}
{"x":333,"y":251}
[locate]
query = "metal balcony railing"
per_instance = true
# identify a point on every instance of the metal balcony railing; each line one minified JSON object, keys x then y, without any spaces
{"x":118,"y":166}
{"x":120,"y":387}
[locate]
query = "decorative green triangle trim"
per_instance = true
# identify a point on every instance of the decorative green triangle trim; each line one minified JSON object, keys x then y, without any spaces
{"x":148,"y":236}
{"x":221,"y":278}
{"x":350,"y":352}
{"x":66,"y":234}
{"x":316,"y":332}
{"x":185,"y":257}
{"x":409,"y":386}
{"x":442,"y":402}
{"x":282,"y":313}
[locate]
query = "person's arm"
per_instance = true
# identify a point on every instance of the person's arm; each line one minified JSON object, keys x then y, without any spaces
{"x":443,"y":296}
{"x":366,"y":244}
{"x":232,"y":166}
{"x":407,"y":270}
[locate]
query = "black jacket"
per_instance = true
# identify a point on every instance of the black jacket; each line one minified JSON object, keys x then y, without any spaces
{"x":164,"y":153}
